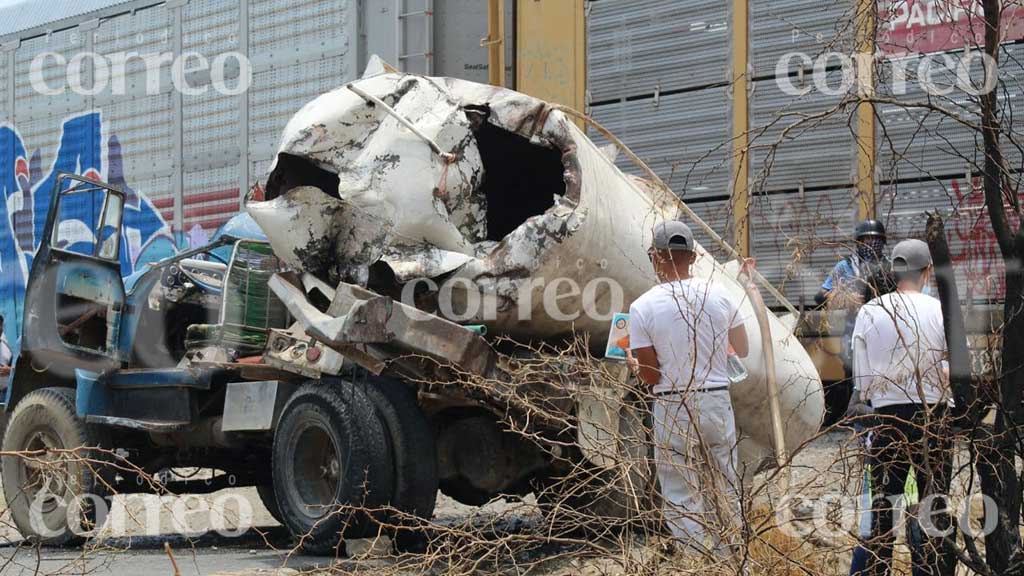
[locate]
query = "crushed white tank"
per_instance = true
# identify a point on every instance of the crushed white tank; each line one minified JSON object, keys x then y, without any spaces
{"x":404,"y":182}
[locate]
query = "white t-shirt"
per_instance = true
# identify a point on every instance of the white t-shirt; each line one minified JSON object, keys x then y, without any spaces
{"x":899,"y":341}
{"x":5,"y":352}
{"x":687,"y":322}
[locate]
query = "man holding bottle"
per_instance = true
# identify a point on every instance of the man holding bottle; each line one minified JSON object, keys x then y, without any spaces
{"x":680,"y":332}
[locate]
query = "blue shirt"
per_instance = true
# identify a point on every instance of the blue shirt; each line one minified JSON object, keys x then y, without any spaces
{"x":843,"y":273}
{"x":846,"y":274}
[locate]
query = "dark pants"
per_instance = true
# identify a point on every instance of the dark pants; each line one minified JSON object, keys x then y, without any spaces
{"x":904,"y":441}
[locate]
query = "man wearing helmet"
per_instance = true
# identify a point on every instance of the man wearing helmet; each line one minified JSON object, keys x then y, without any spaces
{"x":854,"y":280}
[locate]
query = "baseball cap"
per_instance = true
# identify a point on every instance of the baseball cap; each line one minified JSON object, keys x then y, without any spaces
{"x":672,"y":235}
{"x":911,"y":255}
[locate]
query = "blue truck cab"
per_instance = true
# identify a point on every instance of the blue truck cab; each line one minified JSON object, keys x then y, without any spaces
{"x":83,"y":321}
{"x":134,"y":368}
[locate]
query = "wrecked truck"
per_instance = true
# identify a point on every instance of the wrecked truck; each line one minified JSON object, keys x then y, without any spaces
{"x":477,"y":204}
{"x":370,"y":347}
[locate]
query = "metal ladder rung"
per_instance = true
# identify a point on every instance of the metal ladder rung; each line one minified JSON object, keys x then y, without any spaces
{"x":402,"y":20}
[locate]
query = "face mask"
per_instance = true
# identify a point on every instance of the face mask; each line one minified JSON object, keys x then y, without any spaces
{"x":870,"y":248}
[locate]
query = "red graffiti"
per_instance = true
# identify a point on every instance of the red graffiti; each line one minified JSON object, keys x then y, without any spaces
{"x":973,"y":246}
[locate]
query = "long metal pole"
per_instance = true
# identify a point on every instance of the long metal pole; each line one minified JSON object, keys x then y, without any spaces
{"x":446,"y":156}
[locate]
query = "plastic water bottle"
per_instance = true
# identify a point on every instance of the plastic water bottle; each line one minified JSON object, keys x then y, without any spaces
{"x":737,"y":371}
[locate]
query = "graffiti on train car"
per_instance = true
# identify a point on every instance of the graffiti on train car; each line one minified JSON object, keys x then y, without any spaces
{"x":27,"y":181}
{"x":974,"y":249}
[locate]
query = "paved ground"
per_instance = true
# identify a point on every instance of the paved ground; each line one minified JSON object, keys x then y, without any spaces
{"x":146,"y":556}
{"x":829,"y":465}
{"x":140,"y":550}
{"x":261,"y":547}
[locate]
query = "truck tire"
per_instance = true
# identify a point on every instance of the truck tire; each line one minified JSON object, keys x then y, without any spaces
{"x":269,"y":500}
{"x":414,"y":456}
{"x":45,"y":419}
{"x":330,"y":456}
{"x":412,"y":446}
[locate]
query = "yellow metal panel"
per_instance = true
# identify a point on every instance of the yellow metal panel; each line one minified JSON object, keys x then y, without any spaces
{"x":740,"y":125}
{"x":551,"y":50}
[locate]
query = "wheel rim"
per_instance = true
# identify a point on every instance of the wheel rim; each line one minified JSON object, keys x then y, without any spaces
{"x":318,"y":470}
{"x":43,"y":476}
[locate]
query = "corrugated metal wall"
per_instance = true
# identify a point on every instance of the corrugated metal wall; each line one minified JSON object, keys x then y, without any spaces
{"x":922,"y":142}
{"x":187,"y":160}
{"x":798,"y":236}
{"x":930,"y":155}
{"x":800,"y":141}
{"x":684,"y":137}
{"x":194,"y":156}
{"x":803,"y":151}
{"x":656,"y":73}
{"x":972,"y":246}
{"x":299,"y":49}
{"x":658,"y":77}
{"x":635,"y":48}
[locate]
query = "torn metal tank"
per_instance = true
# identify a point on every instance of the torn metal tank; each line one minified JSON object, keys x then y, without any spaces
{"x":487,"y":206}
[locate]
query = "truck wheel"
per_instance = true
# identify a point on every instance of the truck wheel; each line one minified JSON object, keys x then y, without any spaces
{"x":413,"y":451}
{"x":412,"y":446}
{"x":330,"y":456}
{"x":269,"y":499}
{"x":39,"y":489}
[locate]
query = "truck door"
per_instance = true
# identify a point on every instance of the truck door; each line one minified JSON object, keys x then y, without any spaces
{"x":75,"y":297}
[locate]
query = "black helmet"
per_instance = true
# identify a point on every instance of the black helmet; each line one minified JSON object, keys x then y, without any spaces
{"x":869,"y":228}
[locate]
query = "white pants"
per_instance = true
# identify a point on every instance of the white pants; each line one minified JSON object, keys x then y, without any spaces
{"x":695,"y":454}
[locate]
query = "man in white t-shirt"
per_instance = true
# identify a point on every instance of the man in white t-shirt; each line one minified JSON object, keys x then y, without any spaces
{"x":901,"y":376}
{"x":680,"y":332}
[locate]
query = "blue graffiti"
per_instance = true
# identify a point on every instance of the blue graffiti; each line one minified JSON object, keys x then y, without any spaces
{"x":27,"y":192}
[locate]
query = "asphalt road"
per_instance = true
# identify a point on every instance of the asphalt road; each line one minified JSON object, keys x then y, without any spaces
{"x":260,"y":547}
{"x":207,"y":555}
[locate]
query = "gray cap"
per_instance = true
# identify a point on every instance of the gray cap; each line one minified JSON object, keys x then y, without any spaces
{"x":911,"y":255}
{"x":672,"y":235}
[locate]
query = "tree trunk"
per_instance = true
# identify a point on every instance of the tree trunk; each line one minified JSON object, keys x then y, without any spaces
{"x":997,"y":449}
